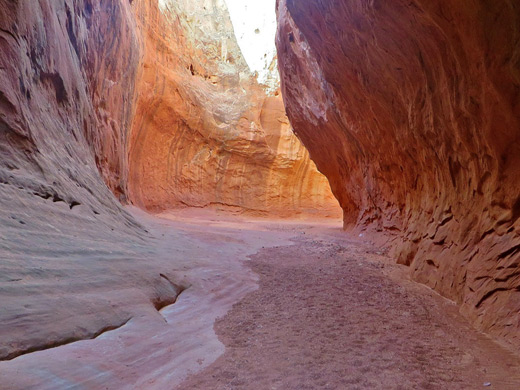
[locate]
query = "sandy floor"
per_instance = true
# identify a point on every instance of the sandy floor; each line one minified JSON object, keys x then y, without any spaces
{"x":273,"y":305}
{"x":332,"y":314}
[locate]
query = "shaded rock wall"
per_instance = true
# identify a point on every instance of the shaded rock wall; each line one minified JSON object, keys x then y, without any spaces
{"x":64,"y":111}
{"x":65,"y":104}
{"x":205,"y":132}
{"x":412,"y":111}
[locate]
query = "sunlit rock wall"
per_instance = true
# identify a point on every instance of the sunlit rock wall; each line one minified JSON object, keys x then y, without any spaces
{"x":412,"y":111}
{"x":205,"y":133}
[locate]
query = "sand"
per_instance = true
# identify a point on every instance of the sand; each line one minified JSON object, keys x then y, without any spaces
{"x":275,"y":305}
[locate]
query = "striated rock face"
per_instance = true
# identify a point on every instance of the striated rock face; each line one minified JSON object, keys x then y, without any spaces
{"x":205,"y":133}
{"x":412,"y":111}
{"x":65,"y":105}
{"x":199,"y":131}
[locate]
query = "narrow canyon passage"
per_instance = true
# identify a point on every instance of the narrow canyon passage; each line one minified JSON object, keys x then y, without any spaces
{"x":244,"y":194}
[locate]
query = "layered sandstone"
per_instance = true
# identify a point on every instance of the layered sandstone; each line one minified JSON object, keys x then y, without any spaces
{"x":205,"y":133}
{"x":65,"y":105}
{"x":412,"y":111}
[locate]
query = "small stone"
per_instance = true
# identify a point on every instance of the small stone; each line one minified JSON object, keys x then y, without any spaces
{"x":487,"y":384}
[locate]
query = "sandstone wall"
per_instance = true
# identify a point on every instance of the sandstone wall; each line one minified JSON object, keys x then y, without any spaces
{"x":205,"y":133}
{"x":66,"y":104}
{"x":412,"y":111}
{"x":67,"y":72}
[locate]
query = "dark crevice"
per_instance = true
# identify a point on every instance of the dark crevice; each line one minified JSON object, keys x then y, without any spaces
{"x":9,"y":33}
{"x":170,"y":298}
{"x":515,"y":210}
{"x":446,"y":220}
{"x":510,"y":252}
{"x":482,"y":182}
{"x":507,"y":278}
{"x":74,"y":204}
{"x":489,"y":294}
{"x":432,"y":263}
{"x":56,"y":198}
{"x":454,"y":168}
{"x":487,"y":233}
{"x":70,"y":31}
{"x":65,"y":341}
{"x":48,"y":194}
{"x":58,"y":84}
{"x":44,"y":195}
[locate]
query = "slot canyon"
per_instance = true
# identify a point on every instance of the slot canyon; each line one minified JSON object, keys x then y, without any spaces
{"x":231,"y":194}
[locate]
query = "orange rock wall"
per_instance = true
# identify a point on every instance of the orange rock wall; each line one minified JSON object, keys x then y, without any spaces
{"x":204,"y":132}
{"x":90,"y":92}
{"x":412,"y":111}
{"x":165,"y":97}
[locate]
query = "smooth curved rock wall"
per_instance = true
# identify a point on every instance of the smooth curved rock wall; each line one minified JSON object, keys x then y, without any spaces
{"x":65,"y":106}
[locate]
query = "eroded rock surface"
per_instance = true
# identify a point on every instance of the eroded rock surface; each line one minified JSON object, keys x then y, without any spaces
{"x":412,"y":111}
{"x":205,"y":132}
{"x":64,"y":109}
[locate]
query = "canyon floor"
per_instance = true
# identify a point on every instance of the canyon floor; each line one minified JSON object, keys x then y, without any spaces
{"x":274,"y":304}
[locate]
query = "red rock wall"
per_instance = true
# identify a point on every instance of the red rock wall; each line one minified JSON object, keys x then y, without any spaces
{"x":72,"y":261}
{"x":205,"y":134}
{"x":412,"y":111}
{"x":77,"y":77}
